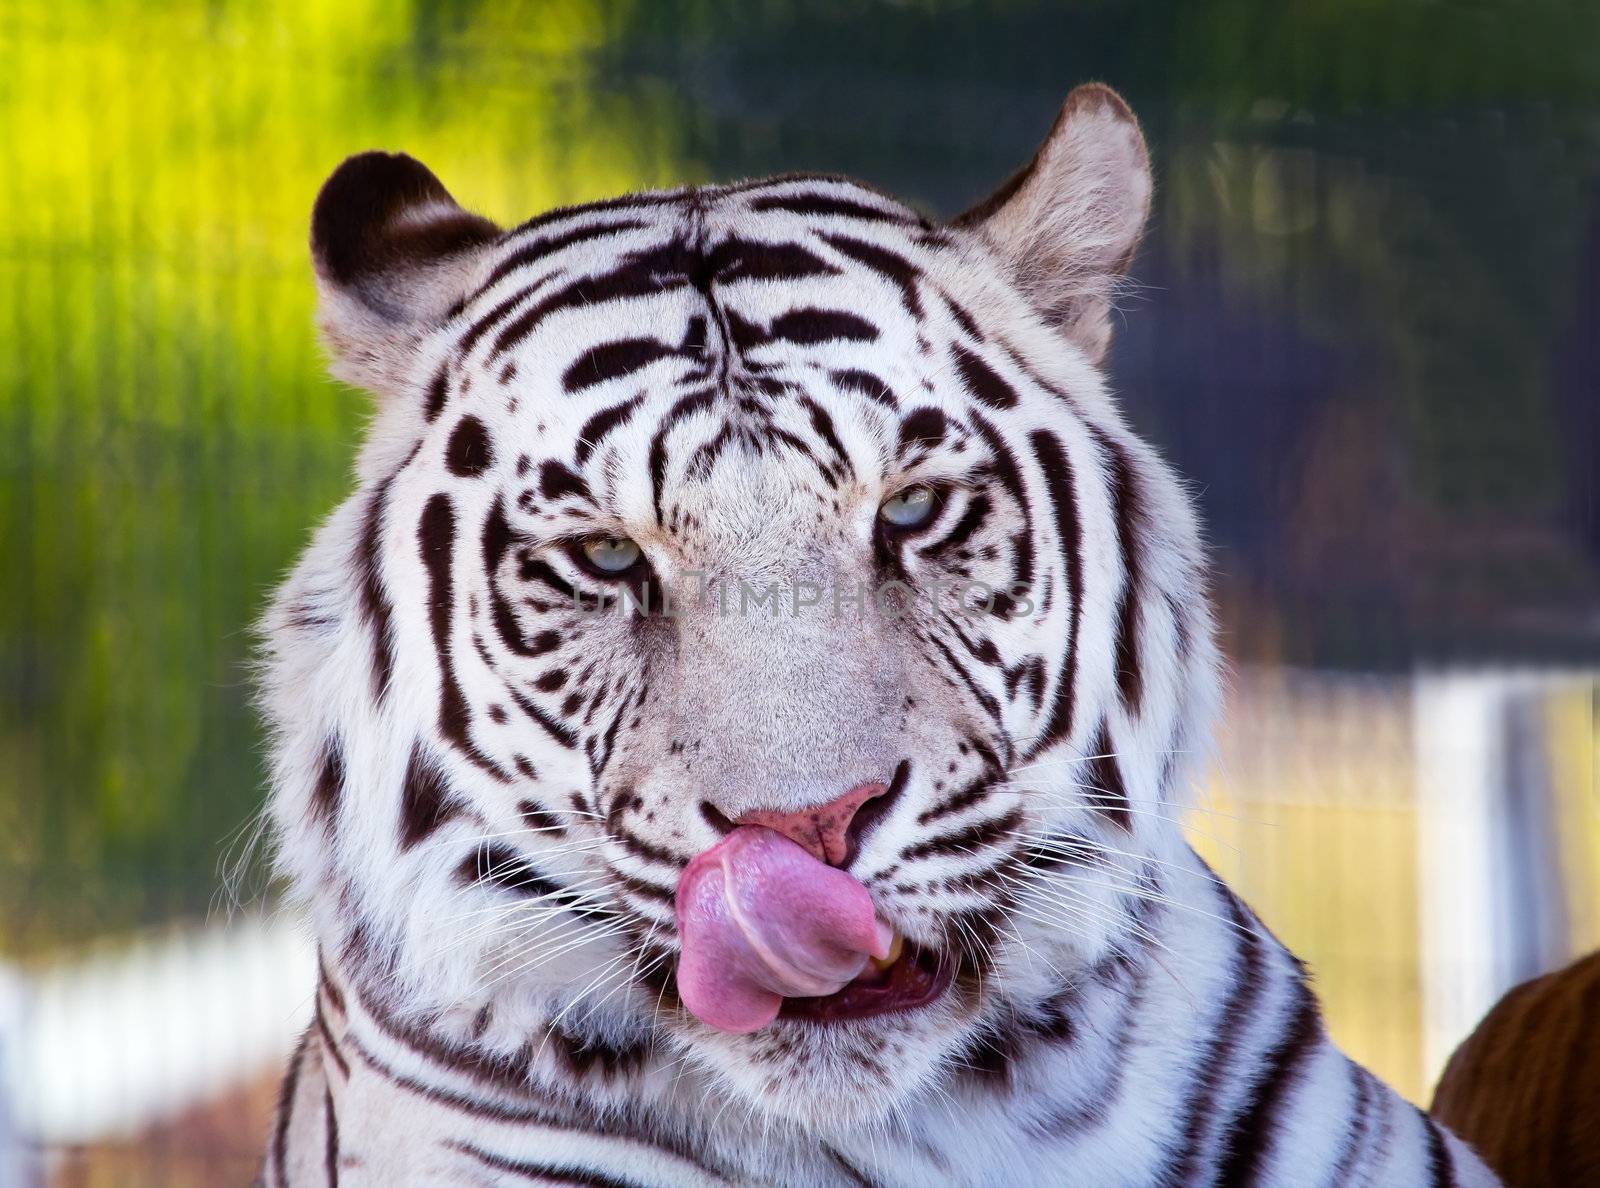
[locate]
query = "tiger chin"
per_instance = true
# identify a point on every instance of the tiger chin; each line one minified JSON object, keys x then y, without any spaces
{"x":736,"y":731}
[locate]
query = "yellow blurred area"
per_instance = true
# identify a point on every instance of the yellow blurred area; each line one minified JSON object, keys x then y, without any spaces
{"x":1311,"y":813}
{"x":163,"y":158}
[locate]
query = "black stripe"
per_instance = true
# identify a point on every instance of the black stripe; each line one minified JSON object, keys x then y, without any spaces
{"x":1129,"y":514}
{"x":497,"y":540}
{"x":1093,"y":1103}
{"x":888,"y":264}
{"x":963,"y":840}
{"x":564,"y":735}
{"x":706,"y":453}
{"x":559,"y":481}
{"x":540,"y":818}
{"x":457,"y":1061}
{"x":642,"y":203}
{"x":736,"y":259}
{"x":425,"y":800}
{"x":1441,"y":1167}
{"x":971,"y":519}
{"x":469,"y":452}
{"x":493,"y":318}
{"x":847,"y":1169}
{"x":981,"y":650}
{"x":863,"y":383}
{"x":1209,"y":1078}
{"x":438,"y":390}
{"x":648,"y":852}
{"x":599,"y":753}
{"x":810,"y":326}
{"x":328,"y":1044}
{"x":924,"y":427}
{"x":558,"y":1173}
{"x":536,"y":569}
{"x":330,"y":991}
{"x":644,"y":273}
{"x":823,"y":424}
{"x":804,"y":449}
{"x":596,"y":427}
{"x":962,"y":317}
{"x":964,"y":797}
{"x":436,"y":535}
{"x":1105,"y":780}
{"x":873,"y":813}
{"x":693,"y":403}
{"x":1005,"y":469}
{"x":1382,"y":1144}
{"x":643,"y":888}
{"x":982,"y":380}
{"x":1355,"y":1137}
{"x":375,"y":606}
{"x":612,"y":360}
{"x":589,"y":1053}
{"x":499,"y":866}
{"x":286,"y":1096}
{"x":507,"y":1077}
{"x":330,"y":1148}
{"x":982,"y":697}
{"x":810,"y":202}
{"x":1064,"y":501}
{"x":1257,"y":1124}
{"x":1061,"y":849}
{"x":330,"y":783}
{"x":745,"y":335}
{"x":539,"y":248}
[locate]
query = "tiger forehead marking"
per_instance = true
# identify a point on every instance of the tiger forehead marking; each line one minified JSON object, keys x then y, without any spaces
{"x":711,"y":348}
{"x":735,"y":732}
{"x":731,"y":431}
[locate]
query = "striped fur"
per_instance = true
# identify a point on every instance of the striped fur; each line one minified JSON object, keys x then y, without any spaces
{"x":484,"y":796}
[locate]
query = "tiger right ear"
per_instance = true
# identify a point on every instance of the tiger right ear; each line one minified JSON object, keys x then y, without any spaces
{"x":1069,"y":220}
{"x":392,"y":253}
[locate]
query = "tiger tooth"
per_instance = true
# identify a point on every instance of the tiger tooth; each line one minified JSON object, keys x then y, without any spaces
{"x":896,"y":947}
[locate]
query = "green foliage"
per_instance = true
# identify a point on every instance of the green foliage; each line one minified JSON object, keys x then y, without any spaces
{"x":167,"y":437}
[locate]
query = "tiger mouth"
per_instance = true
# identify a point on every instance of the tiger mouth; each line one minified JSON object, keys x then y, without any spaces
{"x":916,"y":978}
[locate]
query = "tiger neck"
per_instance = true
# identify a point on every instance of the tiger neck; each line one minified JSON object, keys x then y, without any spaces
{"x":1046,"y":1085}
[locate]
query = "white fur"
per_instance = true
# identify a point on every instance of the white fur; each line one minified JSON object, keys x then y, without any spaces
{"x":429,"y":978}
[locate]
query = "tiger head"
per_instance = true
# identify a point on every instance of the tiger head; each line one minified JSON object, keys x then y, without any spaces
{"x":756,"y":648}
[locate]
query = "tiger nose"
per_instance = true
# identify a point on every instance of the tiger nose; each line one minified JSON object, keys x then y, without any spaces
{"x":830,"y":832}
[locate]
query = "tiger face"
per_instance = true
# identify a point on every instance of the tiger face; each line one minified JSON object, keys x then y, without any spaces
{"x":757,"y":658}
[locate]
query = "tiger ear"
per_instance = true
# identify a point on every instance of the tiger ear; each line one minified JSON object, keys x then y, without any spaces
{"x":1068,"y":221}
{"x":392,"y":253}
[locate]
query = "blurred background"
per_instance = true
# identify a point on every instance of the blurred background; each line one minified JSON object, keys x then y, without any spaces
{"x":1368,"y":330}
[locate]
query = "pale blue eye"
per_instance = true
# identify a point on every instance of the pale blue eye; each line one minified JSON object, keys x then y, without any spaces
{"x":611,"y":554}
{"x":911,"y":508}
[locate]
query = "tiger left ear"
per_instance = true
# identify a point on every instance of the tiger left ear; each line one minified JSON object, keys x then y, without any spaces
{"x":1068,"y":221}
{"x":392,"y":253}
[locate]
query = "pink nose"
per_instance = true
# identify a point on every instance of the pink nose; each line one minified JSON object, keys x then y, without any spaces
{"x":828,"y":832}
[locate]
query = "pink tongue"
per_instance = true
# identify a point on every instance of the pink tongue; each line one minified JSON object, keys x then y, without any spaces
{"x":761,"y":920}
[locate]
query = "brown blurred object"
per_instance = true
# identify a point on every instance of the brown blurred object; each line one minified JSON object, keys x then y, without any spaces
{"x":213,"y":1145}
{"x":1524,"y":1088}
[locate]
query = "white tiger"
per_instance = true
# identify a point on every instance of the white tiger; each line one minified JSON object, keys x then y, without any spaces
{"x":734,"y":733}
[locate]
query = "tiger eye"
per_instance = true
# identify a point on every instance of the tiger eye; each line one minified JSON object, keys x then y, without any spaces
{"x":910,"y":508}
{"x":611,"y":554}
